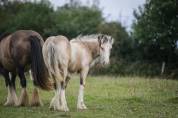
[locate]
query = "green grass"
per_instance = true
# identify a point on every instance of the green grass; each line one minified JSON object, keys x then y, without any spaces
{"x":106,"y":97}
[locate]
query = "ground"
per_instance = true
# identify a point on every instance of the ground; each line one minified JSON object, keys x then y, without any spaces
{"x":106,"y":97}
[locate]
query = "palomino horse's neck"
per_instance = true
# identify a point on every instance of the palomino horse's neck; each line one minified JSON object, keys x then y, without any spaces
{"x":93,"y":47}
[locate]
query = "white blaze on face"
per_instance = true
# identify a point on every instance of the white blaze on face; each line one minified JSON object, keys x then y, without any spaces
{"x":105,"y":51}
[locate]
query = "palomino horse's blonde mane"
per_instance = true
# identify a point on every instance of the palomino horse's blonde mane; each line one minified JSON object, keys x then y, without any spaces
{"x":92,"y":37}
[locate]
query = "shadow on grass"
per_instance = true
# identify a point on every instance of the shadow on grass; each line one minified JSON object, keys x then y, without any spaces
{"x":134,"y":100}
{"x":173,"y":100}
{"x":65,"y":115}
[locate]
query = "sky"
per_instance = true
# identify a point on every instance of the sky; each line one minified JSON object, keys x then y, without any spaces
{"x":113,"y":10}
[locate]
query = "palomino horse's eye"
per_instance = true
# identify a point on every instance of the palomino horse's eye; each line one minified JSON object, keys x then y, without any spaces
{"x":102,"y":48}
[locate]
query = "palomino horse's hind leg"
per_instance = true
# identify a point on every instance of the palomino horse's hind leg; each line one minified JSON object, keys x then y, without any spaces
{"x":55,"y":102}
{"x":35,"y":101}
{"x":63,"y":101}
{"x":80,"y":103}
{"x":58,"y":102}
{"x":23,"y":99}
{"x":67,"y":80}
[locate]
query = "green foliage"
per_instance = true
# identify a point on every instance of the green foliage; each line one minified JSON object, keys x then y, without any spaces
{"x":72,"y":21}
{"x":34,"y":16}
{"x":155,"y":30}
{"x":152,"y":41}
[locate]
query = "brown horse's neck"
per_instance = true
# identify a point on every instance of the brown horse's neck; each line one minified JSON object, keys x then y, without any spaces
{"x":93,"y":47}
{"x":4,"y":35}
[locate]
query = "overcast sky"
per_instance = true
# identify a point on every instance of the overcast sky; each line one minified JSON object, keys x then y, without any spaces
{"x":113,"y":10}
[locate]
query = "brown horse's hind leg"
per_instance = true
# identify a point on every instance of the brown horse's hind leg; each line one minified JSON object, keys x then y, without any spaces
{"x":24,"y":99}
{"x":12,"y":97}
{"x":35,"y":101}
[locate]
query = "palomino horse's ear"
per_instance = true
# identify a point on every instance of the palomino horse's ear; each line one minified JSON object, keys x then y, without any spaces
{"x":111,"y":40}
{"x":100,"y":38}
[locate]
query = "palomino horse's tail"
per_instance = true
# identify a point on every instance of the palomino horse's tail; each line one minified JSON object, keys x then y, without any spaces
{"x":38,"y":68}
{"x":52,"y":62}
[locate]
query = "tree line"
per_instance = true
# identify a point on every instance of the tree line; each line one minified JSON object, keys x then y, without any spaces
{"x":140,"y":52}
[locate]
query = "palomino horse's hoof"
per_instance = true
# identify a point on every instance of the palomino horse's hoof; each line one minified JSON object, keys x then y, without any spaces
{"x":54,"y":108}
{"x":82,"y":107}
{"x":65,"y":109}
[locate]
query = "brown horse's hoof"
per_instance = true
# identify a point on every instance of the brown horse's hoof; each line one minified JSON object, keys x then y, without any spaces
{"x":24,"y":99}
{"x":35,"y":101}
{"x":9,"y":103}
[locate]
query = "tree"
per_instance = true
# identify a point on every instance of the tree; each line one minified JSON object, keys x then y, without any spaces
{"x":18,"y":15}
{"x":75,"y":20}
{"x":155,"y":29}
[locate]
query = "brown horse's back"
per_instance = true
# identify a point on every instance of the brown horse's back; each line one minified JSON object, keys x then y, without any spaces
{"x":16,"y":49}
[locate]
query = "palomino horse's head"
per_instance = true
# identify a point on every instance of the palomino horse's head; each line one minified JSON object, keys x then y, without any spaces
{"x":105,"y":43}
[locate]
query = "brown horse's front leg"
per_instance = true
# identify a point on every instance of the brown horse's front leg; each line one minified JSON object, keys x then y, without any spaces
{"x":24,"y":99}
{"x":35,"y":101}
{"x":10,"y":84}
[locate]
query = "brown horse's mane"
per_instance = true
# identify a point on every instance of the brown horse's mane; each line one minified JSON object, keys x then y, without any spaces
{"x":3,"y":35}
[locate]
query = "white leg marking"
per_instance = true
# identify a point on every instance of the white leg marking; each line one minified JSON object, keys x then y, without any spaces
{"x":35,"y":100}
{"x":55,"y":102}
{"x":23,"y":99}
{"x":80,"y":103}
{"x":64,"y":106}
{"x":31,"y":77}
{"x":11,"y":97}
{"x":14,"y":96}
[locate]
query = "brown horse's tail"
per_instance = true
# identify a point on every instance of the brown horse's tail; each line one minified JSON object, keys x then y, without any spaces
{"x":38,"y":68}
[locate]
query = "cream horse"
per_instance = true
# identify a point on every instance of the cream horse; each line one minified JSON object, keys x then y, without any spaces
{"x":63,"y":58}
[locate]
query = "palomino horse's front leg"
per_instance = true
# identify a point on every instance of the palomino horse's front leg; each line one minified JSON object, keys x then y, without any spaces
{"x":80,"y":103}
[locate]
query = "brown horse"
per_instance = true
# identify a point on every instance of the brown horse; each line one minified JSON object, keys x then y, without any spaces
{"x":19,"y":52}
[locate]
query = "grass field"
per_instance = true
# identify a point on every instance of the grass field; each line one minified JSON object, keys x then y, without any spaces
{"x":106,"y":97}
